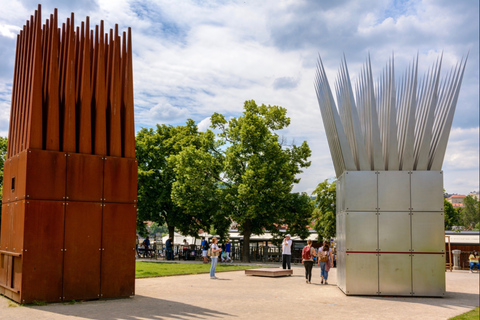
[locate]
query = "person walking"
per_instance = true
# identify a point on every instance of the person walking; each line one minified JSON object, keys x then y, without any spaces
{"x":325,"y":261}
{"x":228,"y":250}
{"x":214,"y":253}
{"x":169,"y":248}
{"x":308,"y":253}
{"x":473,"y":258}
{"x":286,"y":252}
{"x":204,"y":247}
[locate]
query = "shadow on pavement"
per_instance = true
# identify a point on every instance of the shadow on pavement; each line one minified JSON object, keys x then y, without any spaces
{"x":138,"y":307}
{"x":450,"y":300}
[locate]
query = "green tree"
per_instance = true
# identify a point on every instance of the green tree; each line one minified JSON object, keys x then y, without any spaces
{"x":325,"y":214}
{"x":155,"y":176}
{"x":470,"y":211}
{"x":452,"y":216}
{"x":3,"y":153}
{"x":247,"y":177}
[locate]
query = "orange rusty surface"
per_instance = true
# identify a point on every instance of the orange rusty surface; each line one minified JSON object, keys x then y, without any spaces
{"x":7,"y":226}
{"x":118,"y":242}
{"x":120,"y":180}
{"x":43,"y":167}
{"x":84,"y":177}
{"x":43,"y":251}
{"x":83,"y":227}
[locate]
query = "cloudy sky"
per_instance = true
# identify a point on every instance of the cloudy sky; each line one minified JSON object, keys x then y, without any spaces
{"x":193,"y":58}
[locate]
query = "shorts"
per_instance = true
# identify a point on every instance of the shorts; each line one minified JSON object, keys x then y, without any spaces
{"x":204,"y":253}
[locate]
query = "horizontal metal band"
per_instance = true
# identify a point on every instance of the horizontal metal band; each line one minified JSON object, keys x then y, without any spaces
{"x":395,"y":252}
{"x":8,"y":253}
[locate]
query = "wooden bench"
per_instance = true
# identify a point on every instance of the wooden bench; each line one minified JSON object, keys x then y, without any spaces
{"x":269,"y":272}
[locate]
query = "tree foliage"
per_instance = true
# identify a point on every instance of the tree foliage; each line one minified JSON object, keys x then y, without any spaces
{"x":470,"y":211}
{"x":452,"y":216}
{"x":155,"y":176}
{"x":247,"y":175}
{"x":325,"y":213}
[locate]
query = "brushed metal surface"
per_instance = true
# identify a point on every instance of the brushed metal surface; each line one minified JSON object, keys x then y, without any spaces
{"x":361,"y":231}
{"x":394,"y":231}
{"x":395,"y":274}
{"x":361,"y":273}
{"x":428,"y":275}
{"x":428,"y":233}
{"x":394,"y":191}
{"x":427,"y":191}
{"x":360,"y":191}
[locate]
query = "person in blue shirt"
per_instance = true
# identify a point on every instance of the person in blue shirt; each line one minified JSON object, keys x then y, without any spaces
{"x":146,"y":246}
{"x":204,"y":247}
{"x":228,"y":251}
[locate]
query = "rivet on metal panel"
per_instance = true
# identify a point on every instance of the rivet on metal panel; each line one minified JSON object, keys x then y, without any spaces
{"x":63,"y":197}
{"x":134,"y":206}
{"x":67,"y":197}
{"x":64,"y":203}
{"x":28,"y":201}
{"x":28,"y":196}
{"x":67,"y":203}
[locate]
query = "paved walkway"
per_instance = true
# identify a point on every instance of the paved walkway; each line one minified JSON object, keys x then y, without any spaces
{"x":236,"y":296}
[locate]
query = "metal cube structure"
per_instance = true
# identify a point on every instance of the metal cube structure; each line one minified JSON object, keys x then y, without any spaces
{"x":388,"y":143}
{"x":70,"y":177}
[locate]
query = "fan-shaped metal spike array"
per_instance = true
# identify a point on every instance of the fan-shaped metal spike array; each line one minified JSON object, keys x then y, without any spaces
{"x":387,"y":126}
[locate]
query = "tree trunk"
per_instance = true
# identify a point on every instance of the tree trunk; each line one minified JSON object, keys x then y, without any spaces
{"x":247,"y":232}
{"x":171,"y":234}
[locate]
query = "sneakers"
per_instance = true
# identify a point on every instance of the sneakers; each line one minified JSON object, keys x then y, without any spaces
{"x":213,"y":278}
{"x":306,"y":280}
{"x":326,"y":282}
{"x":322,"y":281}
{"x":471,"y":271}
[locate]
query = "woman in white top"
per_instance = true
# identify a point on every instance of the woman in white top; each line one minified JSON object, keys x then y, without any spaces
{"x":214,"y":257}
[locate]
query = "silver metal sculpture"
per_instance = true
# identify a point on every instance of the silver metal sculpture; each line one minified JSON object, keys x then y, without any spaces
{"x":388,"y":142}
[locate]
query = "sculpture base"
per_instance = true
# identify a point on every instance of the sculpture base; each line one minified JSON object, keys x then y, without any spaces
{"x":390,"y":233}
{"x":269,"y":272}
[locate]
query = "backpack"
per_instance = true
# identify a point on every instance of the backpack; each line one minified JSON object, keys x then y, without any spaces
{"x":205,"y":245}
{"x":324,"y":257}
{"x":306,"y":253}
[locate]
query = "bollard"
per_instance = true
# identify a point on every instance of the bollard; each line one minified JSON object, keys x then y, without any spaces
{"x":456,"y":259}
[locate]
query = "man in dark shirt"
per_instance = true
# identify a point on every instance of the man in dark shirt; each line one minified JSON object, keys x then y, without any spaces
{"x":169,"y":247}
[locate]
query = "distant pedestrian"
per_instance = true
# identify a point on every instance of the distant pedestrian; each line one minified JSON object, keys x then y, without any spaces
{"x":325,"y":261}
{"x":204,"y":246}
{"x":137,"y":243}
{"x":286,"y":252}
{"x":473,"y":258}
{"x":308,"y":253}
{"x":169,"y":248}
{"x":228,"y":250}
{"x":214,"y":253}
{"x":146,"y":246}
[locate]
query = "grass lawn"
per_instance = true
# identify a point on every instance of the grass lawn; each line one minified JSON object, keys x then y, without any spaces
{"x":470,"y":315}
{"x":161,"y":269}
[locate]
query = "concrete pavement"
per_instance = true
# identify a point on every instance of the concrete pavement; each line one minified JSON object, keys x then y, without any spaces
{"x":237,"y":296}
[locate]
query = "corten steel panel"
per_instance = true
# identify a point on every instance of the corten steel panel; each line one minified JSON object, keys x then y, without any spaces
{"x":394,"y":191}
{"x":83,"y":226}
{"x":427,"y":191}
{"x":17,"y":273}
{"x":7,"y":227}
{"x":395,"y":274}
{"x":428,"y":232}
{"x":361,"y":231}
{"x":120,"y":180}
{"x":3,"y":270}
{"x":84,"y":177}
{"x":43,"y":251}
{"x":7,"y":181}
{"x":20,"y":176}
{"x":118,"y":254}
{"x":46,"y":175}
{"x":18,"y":221}
{"x":394,"y":231}
{"x":360,"y":189}
{"x":362,"y":273}
{"x":428,"y":275}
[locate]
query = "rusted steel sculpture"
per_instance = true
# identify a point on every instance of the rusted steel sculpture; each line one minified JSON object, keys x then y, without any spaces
{"x":70,"y":177}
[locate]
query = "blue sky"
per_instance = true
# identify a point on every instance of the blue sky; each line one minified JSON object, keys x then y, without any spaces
{"x":193,"y":58}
